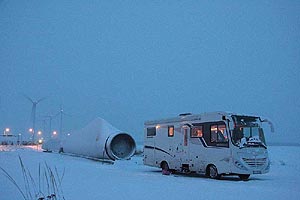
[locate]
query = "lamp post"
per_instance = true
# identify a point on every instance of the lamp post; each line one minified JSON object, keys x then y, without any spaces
{"x":39,"y":140}
{"x":19,"y":139}
{"x":39,"y":136}
{"x":31,"y":131}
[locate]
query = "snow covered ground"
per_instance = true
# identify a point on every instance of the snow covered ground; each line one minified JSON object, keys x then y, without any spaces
{"x":88,"y":179}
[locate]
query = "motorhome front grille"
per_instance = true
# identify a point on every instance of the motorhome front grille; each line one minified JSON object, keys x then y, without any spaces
{"x":255,"y":162}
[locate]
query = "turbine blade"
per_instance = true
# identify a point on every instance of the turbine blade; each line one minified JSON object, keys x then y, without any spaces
{"x":66,"y":114}
{"x":42,"y":99}
{"x":28,"y":98}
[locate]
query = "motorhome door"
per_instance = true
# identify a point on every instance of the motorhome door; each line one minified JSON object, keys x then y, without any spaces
{"x":182,"y":149}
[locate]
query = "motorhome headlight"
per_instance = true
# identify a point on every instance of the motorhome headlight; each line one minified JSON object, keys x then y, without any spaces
{"x":239,"y":165}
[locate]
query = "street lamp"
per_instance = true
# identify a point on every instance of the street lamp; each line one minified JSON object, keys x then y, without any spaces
{"x":6,"y":131}
{"x":39,"y":137}
{"x":54,"y":133}
{"x":31,"y":131}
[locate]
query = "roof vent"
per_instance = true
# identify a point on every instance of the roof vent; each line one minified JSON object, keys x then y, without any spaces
{"x":184,"y":114}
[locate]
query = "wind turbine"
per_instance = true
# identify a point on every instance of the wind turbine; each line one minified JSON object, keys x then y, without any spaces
{"x":33,"y":112}
{"x":61,"y":113}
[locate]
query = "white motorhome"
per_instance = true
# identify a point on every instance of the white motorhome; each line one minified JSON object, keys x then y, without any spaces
{"x":214,"y":144}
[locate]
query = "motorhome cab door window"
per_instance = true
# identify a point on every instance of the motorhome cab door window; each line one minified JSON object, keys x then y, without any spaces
{"x":218,"y":135}
{"x":197,"y":132}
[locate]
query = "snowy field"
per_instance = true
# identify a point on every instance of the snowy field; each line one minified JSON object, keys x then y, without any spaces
{"x":88,"y":179}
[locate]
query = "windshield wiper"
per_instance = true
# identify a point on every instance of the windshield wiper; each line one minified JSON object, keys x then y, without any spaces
{"x":252,"y":144}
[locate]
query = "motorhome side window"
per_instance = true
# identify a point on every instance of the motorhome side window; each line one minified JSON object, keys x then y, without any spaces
{"x":151,"y":131}
{"x":170,"y":131}
{"x":197,"y":131}
{"x":218,"y":133}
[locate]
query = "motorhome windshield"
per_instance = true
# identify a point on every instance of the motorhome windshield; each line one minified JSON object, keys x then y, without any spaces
{"x":247,"y":132}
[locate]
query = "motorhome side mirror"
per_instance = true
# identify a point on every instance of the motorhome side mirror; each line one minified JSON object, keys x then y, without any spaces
{"x":270,"y":123}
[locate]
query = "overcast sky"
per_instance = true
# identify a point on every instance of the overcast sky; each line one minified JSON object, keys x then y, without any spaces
{"x":131,"y":61}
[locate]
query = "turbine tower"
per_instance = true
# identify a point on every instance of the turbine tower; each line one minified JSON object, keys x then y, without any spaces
{"x":33,"y":113}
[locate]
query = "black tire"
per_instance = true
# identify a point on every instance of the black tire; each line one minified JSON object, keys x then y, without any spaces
{"x":165,"y":168}
{"x":61,"y":150}
{"x":213,"y":172}
{"x":244,"y":177}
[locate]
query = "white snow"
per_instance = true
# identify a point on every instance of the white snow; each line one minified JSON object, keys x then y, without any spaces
{"x":130,"y":179}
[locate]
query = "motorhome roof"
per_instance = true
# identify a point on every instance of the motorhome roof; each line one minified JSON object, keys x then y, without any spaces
{"x":186,"y":117}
